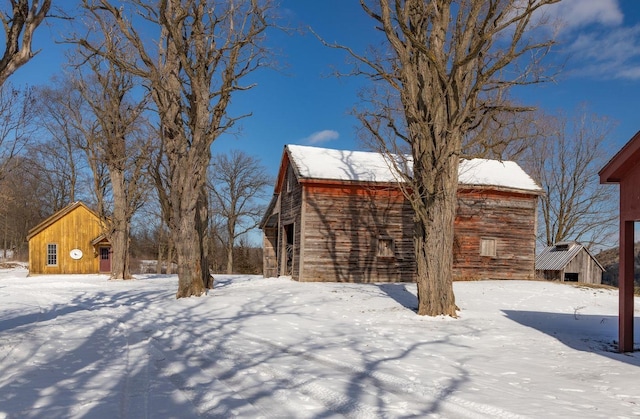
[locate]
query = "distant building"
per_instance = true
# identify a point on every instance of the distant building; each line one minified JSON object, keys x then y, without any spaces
{"x":71,"y":241}
{"x":568,"y":262}
{"x":339,"y":215}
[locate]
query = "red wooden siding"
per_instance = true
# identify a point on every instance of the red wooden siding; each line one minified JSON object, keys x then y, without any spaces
{"x":507,"y":217}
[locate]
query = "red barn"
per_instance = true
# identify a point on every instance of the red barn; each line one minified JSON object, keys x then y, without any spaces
{"x":624,"y":169}
{"x":341,"y":216}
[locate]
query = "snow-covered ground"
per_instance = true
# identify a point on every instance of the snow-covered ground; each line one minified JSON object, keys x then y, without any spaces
{"x":85,"y":347}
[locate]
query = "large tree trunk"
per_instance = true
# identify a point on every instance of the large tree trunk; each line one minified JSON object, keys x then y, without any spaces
{"x":435,"y":265}
{"x":189,"y":252}
{"x":120,"y":227}
{"x":435,"y":210}
{"x":202,"y":224}
{"x":189,"y":228}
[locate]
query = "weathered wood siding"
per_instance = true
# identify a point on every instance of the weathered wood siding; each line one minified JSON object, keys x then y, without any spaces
{"x":75,"y":230}
{"x":587,"y":269}
{"x":550,"y":275}
{"x":269,"y":254}
{"x":364,"y":233}
{"x":343,"y":228}
{"x":289,"y":222}
{"x":506,"y":217}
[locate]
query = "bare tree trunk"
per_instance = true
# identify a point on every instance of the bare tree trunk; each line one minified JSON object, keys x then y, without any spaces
{"x":202,"y":223}
{"x":229,"y":258}
{"x":119,"y":232}
{"x":229,"y":246}
{"x":189,"y":252}
{"x":433,"y":242}
{"x":170,"y":250}
{"x":159,"y":259}
{"x":565,"y":160}
{"x":236,"y":181}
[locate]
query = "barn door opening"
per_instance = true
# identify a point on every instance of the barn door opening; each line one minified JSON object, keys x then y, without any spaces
{"x":105,"y":259}
{"x":571,"y":277}
{"x":289,"y":231}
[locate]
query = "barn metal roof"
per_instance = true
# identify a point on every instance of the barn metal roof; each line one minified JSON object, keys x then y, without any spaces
{"x":558,"y":256}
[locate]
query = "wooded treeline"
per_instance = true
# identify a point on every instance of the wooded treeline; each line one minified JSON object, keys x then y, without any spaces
{"x":31,"y":192}
{"x":52,"y":155}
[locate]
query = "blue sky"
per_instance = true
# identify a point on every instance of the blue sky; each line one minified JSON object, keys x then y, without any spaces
{"x":303,"y":104}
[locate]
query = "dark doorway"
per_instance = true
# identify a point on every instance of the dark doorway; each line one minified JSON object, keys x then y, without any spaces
{"x":571,"y":277}
{"x":289,"y":231}
{"x":105,"y":259}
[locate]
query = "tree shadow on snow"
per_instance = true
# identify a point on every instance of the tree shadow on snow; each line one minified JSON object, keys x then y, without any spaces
{"x":587,"y":333}
{"x":40,"y":316}
{"x":137,"y":353}
{"x":81,"y":373}
{"x":399,"y":292}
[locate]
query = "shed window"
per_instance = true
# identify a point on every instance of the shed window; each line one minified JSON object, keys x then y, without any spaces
{"x":385,"y":247}
{"x":52,"y":254}
{"x":488,"y":247}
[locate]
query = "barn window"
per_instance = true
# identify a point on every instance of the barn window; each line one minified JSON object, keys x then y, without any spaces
{"x":488,"y":247}
{"x":52,"y":254}
{"x":289,"y":180}
{"x":385,"y":247}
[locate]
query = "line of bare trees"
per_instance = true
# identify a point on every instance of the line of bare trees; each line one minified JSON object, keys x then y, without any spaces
{"x":76,"y":159}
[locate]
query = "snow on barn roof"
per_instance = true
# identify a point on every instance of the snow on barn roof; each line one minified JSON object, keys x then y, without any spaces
{"x":365,"y":166}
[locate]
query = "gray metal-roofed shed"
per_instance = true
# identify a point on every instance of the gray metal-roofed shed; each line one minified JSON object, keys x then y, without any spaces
{"x":568,"y":262}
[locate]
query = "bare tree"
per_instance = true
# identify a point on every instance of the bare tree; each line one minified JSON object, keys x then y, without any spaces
{"x":81,"y":131}
{"x":565,"y":160}
{"x":16,"y":117}
{"x":120,"y":143}
{"x":60,"y":160}
{"x":237,"y":182}
{"x":19,"y":26}
{"x":50,"y":166}
{"x":503,"y":136}
{"x":446,"y":68}
{"x":205,"y":50}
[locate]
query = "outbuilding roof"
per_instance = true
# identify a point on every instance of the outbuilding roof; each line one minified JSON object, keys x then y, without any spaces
{"x":57,"y":216}
{"x":558,"y":256}
{"x":343,"y":165}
